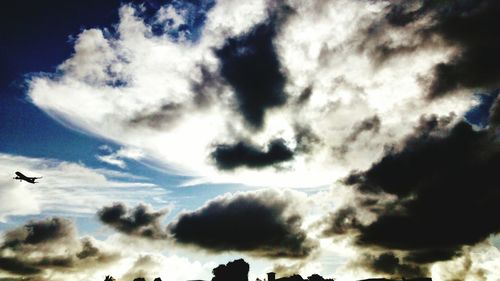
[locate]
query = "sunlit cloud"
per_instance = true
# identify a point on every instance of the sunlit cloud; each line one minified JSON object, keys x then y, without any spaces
{"x":172,"y":101}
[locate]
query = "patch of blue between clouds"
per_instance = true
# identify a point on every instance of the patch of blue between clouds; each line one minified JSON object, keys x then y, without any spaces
{"x":28,"y":131}
{"x":193,"y":12}
{"x":479,"y":115}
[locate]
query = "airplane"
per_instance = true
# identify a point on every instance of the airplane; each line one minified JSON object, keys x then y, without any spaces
{"x":22,"y":177}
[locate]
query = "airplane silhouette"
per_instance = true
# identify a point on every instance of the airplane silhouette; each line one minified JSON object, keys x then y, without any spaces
{"x":22,"y":177}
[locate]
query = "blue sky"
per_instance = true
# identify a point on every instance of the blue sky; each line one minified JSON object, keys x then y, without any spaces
{"x":149,"y":108}
{"x":29,"y":49}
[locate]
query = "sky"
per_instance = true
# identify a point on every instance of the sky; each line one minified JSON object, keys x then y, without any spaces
{"x":348,"y":138}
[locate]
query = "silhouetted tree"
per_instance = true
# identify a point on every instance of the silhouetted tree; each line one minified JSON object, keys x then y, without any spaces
{"x":236,"y":270}
{"x":139,"y":279}
{"x":109,"y":278}
{"x":157,"y":279}
{"x":317,"y":277}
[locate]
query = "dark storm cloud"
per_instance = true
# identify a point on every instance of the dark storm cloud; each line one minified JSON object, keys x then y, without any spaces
{"x":390,"y":265}
{"x":445,"y":184}
{"x":470,"y":26}
{"x":250,"y":65}
{"x":52,"y":244}
{"x":244,"y":154}
{"x":15,"y":266}
{"x":495,"y":112}
{"x":261,"y":223}
{"x":140,"y":221}
{"x":39,"y":232}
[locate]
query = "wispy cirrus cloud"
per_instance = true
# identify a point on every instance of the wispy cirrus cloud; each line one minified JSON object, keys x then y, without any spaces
{"x":117,"y":158}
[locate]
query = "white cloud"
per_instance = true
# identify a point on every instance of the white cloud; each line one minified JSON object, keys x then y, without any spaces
{"x":112,"y":160}
{"x":66,"y":187}
{"x":117,"y":158}
{"x":170,"y":13}
{"x":16,"y":200}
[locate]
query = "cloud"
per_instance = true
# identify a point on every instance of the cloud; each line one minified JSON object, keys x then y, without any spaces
{"x":456,"y":177}
{"x":65,"y":187}
{"x":257,"y":72}
{"x":229,"y":157}
{"x":117,"y":158}
{"x":140,"y":221}
{"x":461,"y":26}
{"x":495,"y":112}
{"x":163,"y":117}
{"x":16,"y":200}
{"x":38,"y":232}
{"x":144,"y":267}
{"x":371,"y":124}
{"x":262,"y":223}
{"x":40,"y":248}
{"x":250,"y":64}
{"x":476,"y":263}
{"x":389,"y":264}
{"x":112,"y":160}
{"x":429,"y":196}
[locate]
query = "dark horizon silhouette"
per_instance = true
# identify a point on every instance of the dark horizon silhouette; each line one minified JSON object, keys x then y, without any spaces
{"x":237,"y":270}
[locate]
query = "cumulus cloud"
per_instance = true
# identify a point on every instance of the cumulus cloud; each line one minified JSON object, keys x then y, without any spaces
{"x":140,"y":221}
{"x":262,"y":223}
{"x":50,"y":249}
{"x":477,"y":263}
{"x":441,"y":185}
{"x":228,"y":157}
{"x":40,"y":249}
{"x":461,"y":25}
{"x":388,"y":264}
{"x":257,"y":72}
{"x":250,"y":64}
